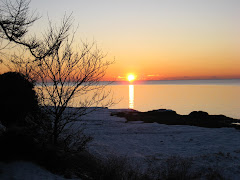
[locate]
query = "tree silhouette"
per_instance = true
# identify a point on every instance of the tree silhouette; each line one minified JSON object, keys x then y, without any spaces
{"x":15,"y":20}
{"x":61,"y":71}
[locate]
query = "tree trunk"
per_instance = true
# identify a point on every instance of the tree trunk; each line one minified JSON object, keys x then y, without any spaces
{"x":55,"y":131}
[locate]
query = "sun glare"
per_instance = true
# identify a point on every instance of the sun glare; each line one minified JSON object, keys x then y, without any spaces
{"x":131,"y":77}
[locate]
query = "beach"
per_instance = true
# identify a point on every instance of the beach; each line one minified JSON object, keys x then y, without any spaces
{"x":151,"y":142}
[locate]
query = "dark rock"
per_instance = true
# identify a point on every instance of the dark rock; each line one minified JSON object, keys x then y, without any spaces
{"x":169,"y":117}
{"x":198,"y":114}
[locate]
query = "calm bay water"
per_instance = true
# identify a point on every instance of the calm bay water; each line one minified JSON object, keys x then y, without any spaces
{"x":182,"y":96}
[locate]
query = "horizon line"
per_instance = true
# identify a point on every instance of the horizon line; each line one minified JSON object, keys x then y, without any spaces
{"x":180,"y":79}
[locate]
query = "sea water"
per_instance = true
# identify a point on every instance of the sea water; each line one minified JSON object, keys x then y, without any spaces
{"x":182,"y":96}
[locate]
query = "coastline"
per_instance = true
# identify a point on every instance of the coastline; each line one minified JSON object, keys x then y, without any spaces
{"x":170,"y":117}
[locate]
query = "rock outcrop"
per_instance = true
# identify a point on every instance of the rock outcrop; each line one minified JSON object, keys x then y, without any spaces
{"x":170,"y":117}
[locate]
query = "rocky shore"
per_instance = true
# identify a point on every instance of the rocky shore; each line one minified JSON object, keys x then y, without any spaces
{"x":170,"y":117}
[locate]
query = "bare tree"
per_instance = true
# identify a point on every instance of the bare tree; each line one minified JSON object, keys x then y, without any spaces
{"x":65,"y":76}
{"x":72,"y":76}
{"x":69,"y":78}
{"x":15,"y":20}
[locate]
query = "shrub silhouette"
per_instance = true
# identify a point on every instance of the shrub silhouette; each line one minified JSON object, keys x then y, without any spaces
{"x":16,"y":144}
{"x":18,"y":99}
{"x":19,"y":109}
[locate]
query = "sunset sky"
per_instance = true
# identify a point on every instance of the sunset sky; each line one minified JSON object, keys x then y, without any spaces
{"x":156,"y":39}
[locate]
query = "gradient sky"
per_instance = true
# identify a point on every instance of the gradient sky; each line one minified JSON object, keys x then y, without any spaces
{"x":157,"y":39}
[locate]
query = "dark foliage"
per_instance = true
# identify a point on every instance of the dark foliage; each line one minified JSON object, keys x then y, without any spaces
{"x":28,"y":134}
{"x":26,"y":126}
{"x":18,"y":99}
{"x":16,"y":144}
{"x":119,"y":168}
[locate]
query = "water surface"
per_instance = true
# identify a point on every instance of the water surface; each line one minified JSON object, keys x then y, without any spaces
{"x":212,"y":96}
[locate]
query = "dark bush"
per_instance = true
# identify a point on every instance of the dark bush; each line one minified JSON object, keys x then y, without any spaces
{"x":21,"y":116}
{"x":18,"y":99}
{"x":17,"y":144}
{"x":118,"y":168}
{"x":174,"y":167}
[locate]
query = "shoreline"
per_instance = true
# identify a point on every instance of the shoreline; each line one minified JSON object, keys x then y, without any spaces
{"x":170,"y":117}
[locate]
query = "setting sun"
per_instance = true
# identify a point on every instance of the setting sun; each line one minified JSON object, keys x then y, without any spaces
{"x":131,"y":77}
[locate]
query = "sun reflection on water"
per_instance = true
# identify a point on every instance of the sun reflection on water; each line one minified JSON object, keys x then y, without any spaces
{"x":131,"y":96}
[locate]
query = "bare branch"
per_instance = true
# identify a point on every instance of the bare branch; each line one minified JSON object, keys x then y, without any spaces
{"x":63,"y":74}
